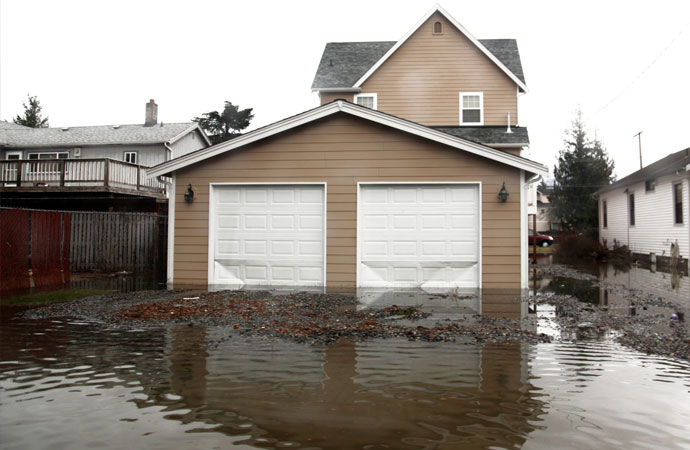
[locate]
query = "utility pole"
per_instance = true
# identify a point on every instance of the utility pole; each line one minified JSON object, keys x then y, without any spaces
{"x":639,"y":141}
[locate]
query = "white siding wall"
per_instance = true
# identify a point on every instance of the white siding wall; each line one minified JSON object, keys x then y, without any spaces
{"x":190,"y":143}
{"x":654,"y":228}
{"x":148,"y":155}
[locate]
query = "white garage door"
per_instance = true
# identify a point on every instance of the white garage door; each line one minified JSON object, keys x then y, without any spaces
{"x":268,"y":235}
{"x":418,"y":235}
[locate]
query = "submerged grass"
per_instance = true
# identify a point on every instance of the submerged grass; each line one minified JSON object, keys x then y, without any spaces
{"x":45,"y":298}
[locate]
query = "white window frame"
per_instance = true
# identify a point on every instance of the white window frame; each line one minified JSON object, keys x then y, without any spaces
{"x":38,"y":158}
{"x":8,"y":154}
{"x":136,"y":157}
{"x":374,"y":96}
{"x":481,"y":107}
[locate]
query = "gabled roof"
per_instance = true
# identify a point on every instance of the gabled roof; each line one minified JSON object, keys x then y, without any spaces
{"x":344,"y":107}
{"x":665,"y":166}
{"x":25,"y":137}
{"x":341,"y":62}
{"x":492,"y":136}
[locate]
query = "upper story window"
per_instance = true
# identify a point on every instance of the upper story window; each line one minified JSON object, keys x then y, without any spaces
{"x":131,"y":157}
{"x":471,"y":108}
{"x":438,"y":28}
{"x":650,"y":185}
{"x":368,"y":100}
{"x":678,"y":203}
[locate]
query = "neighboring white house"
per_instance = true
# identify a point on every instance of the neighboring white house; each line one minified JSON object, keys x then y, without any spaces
{"x":92,"y":167}
{"x":648,"y":209}
{"x":146,"y":144}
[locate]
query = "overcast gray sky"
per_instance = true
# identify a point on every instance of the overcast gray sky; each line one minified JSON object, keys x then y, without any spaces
{"x":626,"y":64}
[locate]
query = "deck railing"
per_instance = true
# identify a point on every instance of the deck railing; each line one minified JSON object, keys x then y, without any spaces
{"x":77,"y":173}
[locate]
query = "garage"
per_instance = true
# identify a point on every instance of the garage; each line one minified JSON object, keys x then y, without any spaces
{"x":419,"y":235}
{"x":267,"y":234}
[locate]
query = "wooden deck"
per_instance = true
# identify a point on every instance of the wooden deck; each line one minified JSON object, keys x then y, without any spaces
{"x":78,"y":175}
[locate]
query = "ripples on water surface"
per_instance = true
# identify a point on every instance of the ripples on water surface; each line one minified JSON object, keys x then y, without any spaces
{"x":76,"y":385}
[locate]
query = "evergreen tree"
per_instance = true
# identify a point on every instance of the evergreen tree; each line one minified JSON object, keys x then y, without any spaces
{"x":225,"y":125}
{"x":32,"y":115}
{"x":583,"y":168}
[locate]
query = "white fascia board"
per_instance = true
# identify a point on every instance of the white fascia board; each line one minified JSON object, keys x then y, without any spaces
{"x":460,"y":28}
{"x":357,"y":111}
{"x":348,"y":89}
{"x":504,"y":145}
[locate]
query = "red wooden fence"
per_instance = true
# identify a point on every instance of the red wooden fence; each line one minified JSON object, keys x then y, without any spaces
{"x":35,"y":248}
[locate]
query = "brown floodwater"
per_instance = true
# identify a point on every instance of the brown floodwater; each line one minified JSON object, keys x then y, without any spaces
{"x":69,"y":384}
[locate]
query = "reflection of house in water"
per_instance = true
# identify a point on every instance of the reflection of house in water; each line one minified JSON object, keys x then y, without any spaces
{"x":671,"y":286}
{"x":350,"y":395}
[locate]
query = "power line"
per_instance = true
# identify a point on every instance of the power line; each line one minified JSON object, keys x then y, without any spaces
{"x":649,"y":66}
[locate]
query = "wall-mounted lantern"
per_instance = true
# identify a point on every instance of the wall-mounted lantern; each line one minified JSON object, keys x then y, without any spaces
{"x":189,"y":195}
{"x":503,"y":194}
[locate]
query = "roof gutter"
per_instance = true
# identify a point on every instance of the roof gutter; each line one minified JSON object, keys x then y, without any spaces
{"x":343,"y":89}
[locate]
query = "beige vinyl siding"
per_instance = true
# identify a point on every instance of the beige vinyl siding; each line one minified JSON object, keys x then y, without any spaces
{"x":328,"y":97}
{"x":422,"y":80}
{"x":342,"y":151}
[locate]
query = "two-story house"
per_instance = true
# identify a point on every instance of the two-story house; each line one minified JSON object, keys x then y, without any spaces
{"x":409,"y":174}
{"x":101,"y":166}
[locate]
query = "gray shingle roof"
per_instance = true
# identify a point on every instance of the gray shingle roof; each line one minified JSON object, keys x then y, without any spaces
{"x":95,"y":135}
{"x":506,"y":50}
{"x":489,"y":135}
{"x":4,"y":125}
{"x":343,"y":63}
{"x":667,"y":165}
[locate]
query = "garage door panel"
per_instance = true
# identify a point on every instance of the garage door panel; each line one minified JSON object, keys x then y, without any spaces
{"x":417,"y":234}
{"x":269,"y":235}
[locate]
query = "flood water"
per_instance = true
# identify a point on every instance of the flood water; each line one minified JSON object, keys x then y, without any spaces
{"x":70,"y":384}
{"x":67,"y":384}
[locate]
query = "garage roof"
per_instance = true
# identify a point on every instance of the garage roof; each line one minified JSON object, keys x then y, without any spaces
{"x":345,"y":107}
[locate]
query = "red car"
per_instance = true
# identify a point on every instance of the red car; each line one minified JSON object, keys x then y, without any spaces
{"x":543,"y":240}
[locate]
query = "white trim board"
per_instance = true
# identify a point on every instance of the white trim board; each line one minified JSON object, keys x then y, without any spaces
{"x":460,"y":28}
{"x":170,"y":267}
{"x":211,"y":206}
{"x":341,"y":106}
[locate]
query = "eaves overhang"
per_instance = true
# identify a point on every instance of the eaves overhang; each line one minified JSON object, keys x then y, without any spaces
{"x":341,"y":106}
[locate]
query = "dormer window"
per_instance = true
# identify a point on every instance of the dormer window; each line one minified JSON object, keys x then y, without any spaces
{"x":471,"y":108}
{"x":438,"y":28}
{"x":368,"y":100}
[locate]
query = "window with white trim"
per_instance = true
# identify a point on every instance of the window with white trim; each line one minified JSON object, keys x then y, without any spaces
{"x":471,"y":108}
{"x":131,"y":157}
{"x":13,"y":156}
{"x":368,"y":100}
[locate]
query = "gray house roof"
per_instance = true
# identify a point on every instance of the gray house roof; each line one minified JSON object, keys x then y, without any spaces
{"x":24,"y":137}
{"x":343,"y":63}
{"x":670,"y":164}
{"x":489,"y":135}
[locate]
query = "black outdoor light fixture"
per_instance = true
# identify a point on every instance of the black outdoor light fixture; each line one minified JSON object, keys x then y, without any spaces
{"x":189,"y":195}
{"x":503,"y":193}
